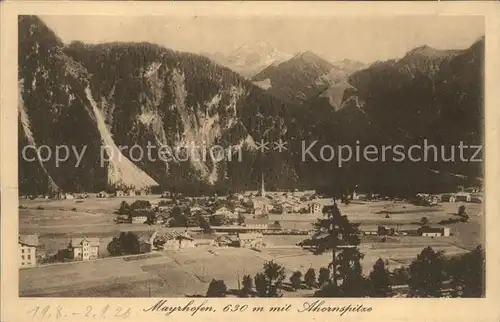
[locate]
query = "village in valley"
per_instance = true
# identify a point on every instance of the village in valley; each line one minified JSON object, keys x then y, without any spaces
{"x":138,"y":243}
{"x":265,"y":163}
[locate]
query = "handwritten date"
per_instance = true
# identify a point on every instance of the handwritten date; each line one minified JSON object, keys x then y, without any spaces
{"x":57,"y":313}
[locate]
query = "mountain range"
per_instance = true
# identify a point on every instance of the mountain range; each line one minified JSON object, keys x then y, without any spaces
{"x":125,"y":94}
{"x":250,"y":59}
{"x":303,"y":76}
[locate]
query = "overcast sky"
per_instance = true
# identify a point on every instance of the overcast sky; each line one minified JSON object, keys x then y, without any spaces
{"x":360,"y":38}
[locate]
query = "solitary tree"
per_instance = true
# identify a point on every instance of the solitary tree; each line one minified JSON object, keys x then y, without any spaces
{"x":275,"y":275}
{"x":247,"y":285}
{"x":324,"y":276}
{"x":217,"y":288}
{"x":268,"y":283}
{"x":204,"y":224}
{"x":467,"y":274}
{"x":427,"y":274}
{"x":260,"y":285}
{"x":461,"y":210}
{"x":126,"y":243}
{"x":310,"y":278}
{"x":114,"y":248}
{"x":124,"y":209}
{"x":354,"y":284}
{"x":380,"y":280}
{"x":400,"y":276}
{"x":336,"y":234}
{"x":296,"y":280}
{"x":424,"y":221}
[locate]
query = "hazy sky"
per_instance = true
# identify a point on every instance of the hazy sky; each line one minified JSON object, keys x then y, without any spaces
{"x":361,"y":38}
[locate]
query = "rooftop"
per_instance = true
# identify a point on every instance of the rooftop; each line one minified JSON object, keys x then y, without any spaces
{"x":75,"y":242}
{"x":29,"y":240}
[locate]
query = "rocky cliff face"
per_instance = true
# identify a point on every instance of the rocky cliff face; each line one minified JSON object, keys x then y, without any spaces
{"x":108,"y":98}
{"x":104,"y":97}
{"x":428,"y":94}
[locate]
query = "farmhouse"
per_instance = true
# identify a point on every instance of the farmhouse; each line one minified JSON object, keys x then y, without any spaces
{"x":119,"y":193}
{"x":224,"y":211}
{"x":473,"y":189}
{"x":227,"y":240}
{"x":102,"y":194}
{"x":131,"y":193}
{"x":146,"y":242}
{"x":261,"y":206}
{"x":140,"y":216}
{"x":27,"y":245}
{"x":251,"y":240}
{"x":174,"y":240}
{"x":164,"y":208}
{"x":477,"y":199}
{"x":315,"y":208}
{"x":463,"y":196}
{"x":433,"y":232}
{"x":448,"y":198}
{"x":286,"y":207}
{"x":240,"y":210}
{"x":68,"y":196}
{"x":195,"y":209}
{"x":141,"y":192}
{"x":84,"y":249}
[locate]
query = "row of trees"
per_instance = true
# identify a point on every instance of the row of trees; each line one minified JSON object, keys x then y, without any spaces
{"x":429,"y":275}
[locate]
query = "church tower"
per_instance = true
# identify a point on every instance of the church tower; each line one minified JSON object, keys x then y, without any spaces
{"x":262,"y":189}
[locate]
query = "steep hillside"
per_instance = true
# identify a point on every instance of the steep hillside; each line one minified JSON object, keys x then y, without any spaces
{"x":427,"y":94}
{"x":121,"y":95}
{"x":103,"y":100}
{"x":250,"y":59}
{"x":297,"y":79}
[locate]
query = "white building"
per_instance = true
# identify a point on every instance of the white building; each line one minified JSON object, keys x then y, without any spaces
{"x":315,"y":208}
{"x":84,"y":249}
{"x":434,"y":232}
{"x":261,"y":206}
{"x":139,"y":219}
{"x":463,"y":196}
{"x":68,"y":196}
{"x":253,"y":240}
{"x":224,"y":211}
{"x":27,"y":245}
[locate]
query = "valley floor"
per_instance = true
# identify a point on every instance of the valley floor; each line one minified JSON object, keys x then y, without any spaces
{"x":189,"y":271}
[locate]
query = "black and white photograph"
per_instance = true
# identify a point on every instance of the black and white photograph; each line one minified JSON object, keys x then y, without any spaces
{"x":182,"y":156}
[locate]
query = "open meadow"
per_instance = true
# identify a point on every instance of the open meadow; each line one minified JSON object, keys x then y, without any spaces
{"x":189,"y":271}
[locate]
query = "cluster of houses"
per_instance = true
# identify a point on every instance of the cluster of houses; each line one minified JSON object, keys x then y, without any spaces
{"x":258,"y":203}
{"x":471,"y":194}
{"x":78,"y":249}
{"x":61,"y":195}
{"x":86,"y":249}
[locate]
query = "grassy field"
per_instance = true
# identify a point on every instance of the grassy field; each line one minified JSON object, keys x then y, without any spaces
{"x":188,"y":272}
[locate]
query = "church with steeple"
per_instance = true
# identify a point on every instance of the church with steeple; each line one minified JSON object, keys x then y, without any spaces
{"x":262,"y":187}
